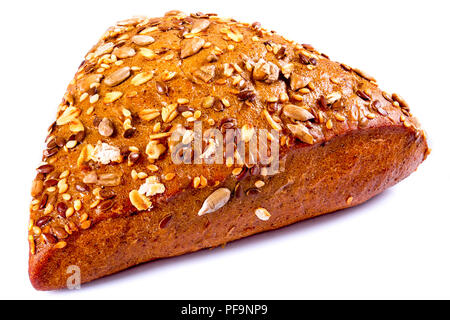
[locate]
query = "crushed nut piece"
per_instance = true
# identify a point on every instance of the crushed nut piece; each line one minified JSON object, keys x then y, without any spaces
{"x":154,"y":149}
{"x":105,"y":153}
{"x":151,"y":187}
{"x":266,"y":71}
{"x":139,"y":201}
{"x":191,"y":46}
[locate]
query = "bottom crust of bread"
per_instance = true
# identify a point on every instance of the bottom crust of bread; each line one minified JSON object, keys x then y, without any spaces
{"x":318,"y":179}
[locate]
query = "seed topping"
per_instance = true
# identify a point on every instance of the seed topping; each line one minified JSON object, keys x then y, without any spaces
{"x":215,"y":201}
{"x":106,"y":127}
{"x":262,"y":214}
{"x":190,"y":47}
{"x":117,"y":77}
{"x":297,"y":113}
{"x":142,"y":40}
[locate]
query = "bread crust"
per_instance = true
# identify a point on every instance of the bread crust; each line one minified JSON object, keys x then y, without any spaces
{"x":357,"y":141}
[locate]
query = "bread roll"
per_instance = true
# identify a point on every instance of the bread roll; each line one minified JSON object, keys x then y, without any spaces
{"x":109,"y":194}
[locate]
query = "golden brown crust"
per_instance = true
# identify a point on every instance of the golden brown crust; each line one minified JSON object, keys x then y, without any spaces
{"x":147,"y":78}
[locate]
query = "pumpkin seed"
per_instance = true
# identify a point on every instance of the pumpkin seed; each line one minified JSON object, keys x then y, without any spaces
{"x":117,"y":76}
{"x":297,"y":113}
{"x":124,"y":52}
{"x":142,"y":40}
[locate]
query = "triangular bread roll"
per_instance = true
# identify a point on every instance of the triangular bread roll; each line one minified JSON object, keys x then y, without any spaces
{"x":109,"y":194}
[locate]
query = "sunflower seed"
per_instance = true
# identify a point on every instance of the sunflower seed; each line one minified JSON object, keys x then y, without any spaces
{"x":400,"y":100}
{"x":215,"y":201}
{"x":271,"y":121}
{"x":364,"y":74}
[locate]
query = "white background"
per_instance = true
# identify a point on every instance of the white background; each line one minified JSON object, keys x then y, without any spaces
{"x":394,"y":246}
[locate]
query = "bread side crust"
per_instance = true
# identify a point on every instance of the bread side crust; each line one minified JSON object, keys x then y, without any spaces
{"x":319,"y":179}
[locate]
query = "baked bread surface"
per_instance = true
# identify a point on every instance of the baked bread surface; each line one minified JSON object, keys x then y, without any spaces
{"x":108,"y":196}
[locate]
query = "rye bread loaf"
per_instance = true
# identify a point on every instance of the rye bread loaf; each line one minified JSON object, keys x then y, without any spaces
{"x":108,"y":195}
